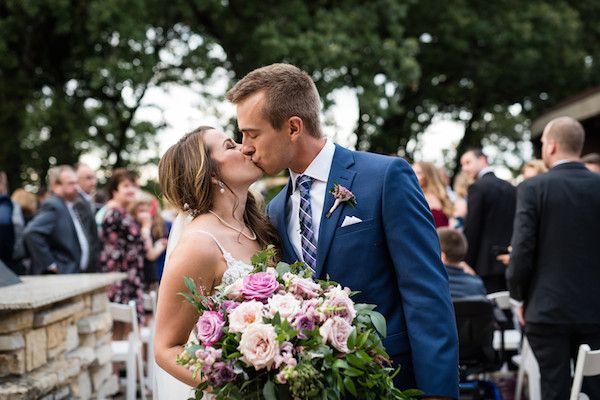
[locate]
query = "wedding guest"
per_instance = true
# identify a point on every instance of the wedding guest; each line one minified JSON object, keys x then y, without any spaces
{"x":143,"y":210}
{"x":461,"y":188}
{"x":28,"y":203}
{"x":489,"y":222}
{"x":533,"y":168}
{"x":12,"y":249}
{"x":553,"y":269}
{"x":123,"y":245}
{"x":55,"y":237}
{"x":435,"y":192}
{"x":87,"y":180}
{"x":592,"y":161}
{"x":454,"y":248}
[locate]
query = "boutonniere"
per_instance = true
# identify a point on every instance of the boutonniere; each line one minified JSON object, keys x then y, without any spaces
{"x":341,"y":195}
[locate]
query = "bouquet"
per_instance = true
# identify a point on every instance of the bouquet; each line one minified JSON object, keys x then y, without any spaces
{"x":279,"y":334}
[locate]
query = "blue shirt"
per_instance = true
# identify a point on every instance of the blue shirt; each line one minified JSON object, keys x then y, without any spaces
{"x":463,"y":284}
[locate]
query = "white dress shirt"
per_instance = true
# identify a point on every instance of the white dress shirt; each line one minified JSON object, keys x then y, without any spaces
{"x":484,"y":171}
{"x":318,"y":170}
{"x":83,"y":242}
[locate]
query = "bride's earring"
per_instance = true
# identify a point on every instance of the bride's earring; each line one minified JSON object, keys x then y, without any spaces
{"x":222,"y":187}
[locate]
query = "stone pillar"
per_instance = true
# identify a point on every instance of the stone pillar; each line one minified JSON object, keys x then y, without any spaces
{"x":55,"y":338}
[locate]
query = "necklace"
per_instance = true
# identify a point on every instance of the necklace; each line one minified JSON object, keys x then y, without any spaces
{"x":253,"y":237}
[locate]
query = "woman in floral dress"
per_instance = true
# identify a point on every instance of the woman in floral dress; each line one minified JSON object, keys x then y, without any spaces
{"x":123,"y":246}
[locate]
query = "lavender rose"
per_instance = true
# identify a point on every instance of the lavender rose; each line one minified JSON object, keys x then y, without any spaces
{"x":304,"y":288}
{"x":338,"y":303}
{"x":336,"y":331}
{"x":221,"y":373}
{"x":259,"y":286}
{"x":210,"y":327}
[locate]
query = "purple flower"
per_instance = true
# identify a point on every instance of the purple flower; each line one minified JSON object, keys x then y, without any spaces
{"x":221,"y":373}
{"x":303,"y":323}
{"x":210,"y":327}
{"x":259,"y":286}
{"x":229,"y":305}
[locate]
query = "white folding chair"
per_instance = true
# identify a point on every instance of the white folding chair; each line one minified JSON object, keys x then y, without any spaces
{"x":129,"y":351}
{"x":147,"y":335}
{"x":527,"y":365}
{"x":508,"y":339}
{"x":588,"y":364}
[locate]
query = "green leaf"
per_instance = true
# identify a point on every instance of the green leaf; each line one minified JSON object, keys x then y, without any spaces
{"x":352,"y":339}
{"x":351,"y":371}
{"x":269,"y":391}
{"x":378,"y":322}
{"x":191,"y":285}
{"x":350,"y":385}
{"x":283,"y":268}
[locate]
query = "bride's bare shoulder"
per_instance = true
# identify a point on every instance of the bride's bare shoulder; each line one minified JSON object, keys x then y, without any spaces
{"x":194,"y":247}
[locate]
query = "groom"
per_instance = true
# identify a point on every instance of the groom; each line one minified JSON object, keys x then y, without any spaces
{"x":386,"y":247}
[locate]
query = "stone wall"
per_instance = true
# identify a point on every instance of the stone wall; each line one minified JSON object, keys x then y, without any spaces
{"x":58,"y":351}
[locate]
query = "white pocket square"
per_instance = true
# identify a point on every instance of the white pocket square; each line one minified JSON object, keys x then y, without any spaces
{"x":350,"y":220}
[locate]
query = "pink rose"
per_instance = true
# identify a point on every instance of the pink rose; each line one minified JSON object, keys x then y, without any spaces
{"x":305,"y":288}
{"x":259,"y":346}
{"x":259,"y":286}
{"x":336,"y":331}
{"x":210,"y":327}
{"x":338,"y":303}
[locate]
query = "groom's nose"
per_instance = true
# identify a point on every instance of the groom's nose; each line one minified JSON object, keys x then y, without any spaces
{"x":247,"y":149}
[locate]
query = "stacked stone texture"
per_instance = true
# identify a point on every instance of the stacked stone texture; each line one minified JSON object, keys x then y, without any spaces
{"x":58,"y":351}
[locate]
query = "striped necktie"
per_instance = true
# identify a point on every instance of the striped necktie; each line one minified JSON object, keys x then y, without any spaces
{"x":307,"y":235}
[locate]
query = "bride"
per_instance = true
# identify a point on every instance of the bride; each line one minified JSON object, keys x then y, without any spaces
{"x":206,"y":175}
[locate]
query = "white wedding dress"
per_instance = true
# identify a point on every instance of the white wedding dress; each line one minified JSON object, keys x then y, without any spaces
{"x":168,"y":387}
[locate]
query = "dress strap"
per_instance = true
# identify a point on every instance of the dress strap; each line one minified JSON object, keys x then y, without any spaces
{"x":228,"y":257}
{"x":213,"y":238}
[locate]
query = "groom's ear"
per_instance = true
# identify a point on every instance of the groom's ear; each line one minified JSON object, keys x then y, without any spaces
{"x":295,"y":127}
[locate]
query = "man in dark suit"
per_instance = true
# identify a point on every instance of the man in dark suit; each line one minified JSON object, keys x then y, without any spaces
{"x":454,"y":248}
{"x":489,"y":222}
{"x":385,"y":247}
{"x":554,"y":267}
{"x":85,"y":208}
{"x":55,"y":237}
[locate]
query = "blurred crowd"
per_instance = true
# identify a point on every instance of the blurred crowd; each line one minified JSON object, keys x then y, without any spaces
{"x":72,"y":227}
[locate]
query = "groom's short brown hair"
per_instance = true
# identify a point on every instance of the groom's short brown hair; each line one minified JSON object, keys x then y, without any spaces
{"x":289,"y":92}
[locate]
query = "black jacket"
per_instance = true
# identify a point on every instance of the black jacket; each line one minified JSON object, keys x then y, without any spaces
{"x":489,"y":222}
{"x":555,"y":262}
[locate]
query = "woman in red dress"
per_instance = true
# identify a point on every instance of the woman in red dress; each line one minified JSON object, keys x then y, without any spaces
{"x":435,"y":193}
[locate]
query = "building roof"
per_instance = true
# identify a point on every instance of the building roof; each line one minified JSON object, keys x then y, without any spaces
{"x":581,"y":107}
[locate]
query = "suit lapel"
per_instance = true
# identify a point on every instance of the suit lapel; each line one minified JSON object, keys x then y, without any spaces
{"x":340,"y":174}
{"x":278,"y":210}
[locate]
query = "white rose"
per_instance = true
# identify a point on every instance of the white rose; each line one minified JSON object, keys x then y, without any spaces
{"x":245,"y":314}
{"x":286,"y":305}
{"x":259,"y":346}
{"x":336,"y":331}
{"x":234,"y":291}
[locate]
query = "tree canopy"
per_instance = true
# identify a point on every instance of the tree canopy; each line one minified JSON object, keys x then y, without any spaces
{"x":73,"y":75}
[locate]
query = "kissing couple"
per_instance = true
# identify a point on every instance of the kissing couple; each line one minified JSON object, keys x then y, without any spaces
{"x":385,"y":246}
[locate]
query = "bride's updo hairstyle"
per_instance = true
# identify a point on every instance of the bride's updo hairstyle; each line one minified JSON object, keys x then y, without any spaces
{"x":185,"y":173}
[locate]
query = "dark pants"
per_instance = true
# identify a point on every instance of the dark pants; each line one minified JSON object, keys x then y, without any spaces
{"x":494,"y":283}
{"x":554,"y":346}
{"x":406,"y":377}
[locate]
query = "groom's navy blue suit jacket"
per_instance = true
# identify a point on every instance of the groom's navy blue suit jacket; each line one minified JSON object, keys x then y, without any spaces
{"x":392,"y":257}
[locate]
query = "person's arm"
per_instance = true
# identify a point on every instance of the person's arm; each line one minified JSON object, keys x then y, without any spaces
{"x":196,"y":256}
{"x":524,"y":242}
{"x":36,"y":237}
{"x":422,"y":280}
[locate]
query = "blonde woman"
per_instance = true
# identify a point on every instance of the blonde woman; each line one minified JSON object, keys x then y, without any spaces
{"x":435,"y":192}
{"x":461,"y":188}
{"x":207,"y":177}
{"x":533,"y":168}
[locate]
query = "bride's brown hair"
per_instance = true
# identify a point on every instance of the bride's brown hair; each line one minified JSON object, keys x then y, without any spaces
{"x":185,"y":173}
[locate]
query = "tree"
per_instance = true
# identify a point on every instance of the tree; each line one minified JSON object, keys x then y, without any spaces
{"x":74,"y":75}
